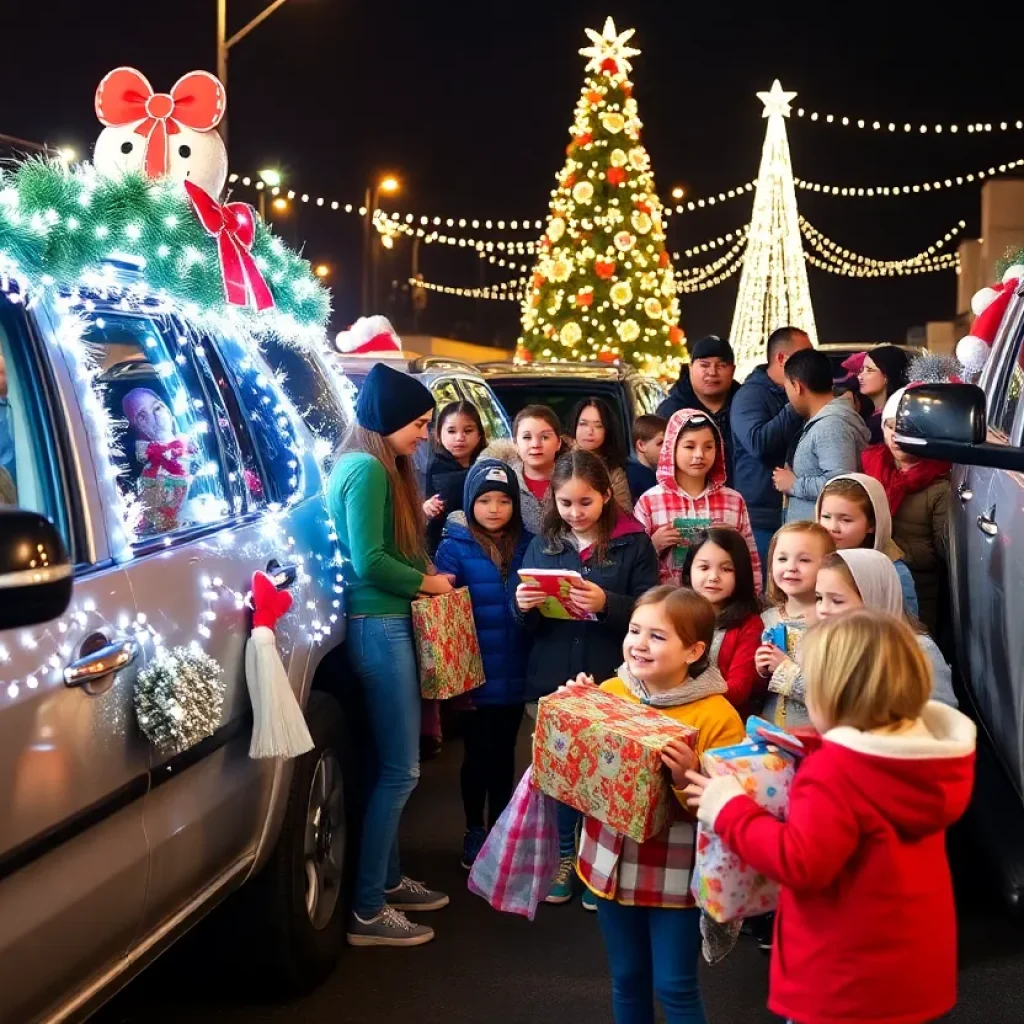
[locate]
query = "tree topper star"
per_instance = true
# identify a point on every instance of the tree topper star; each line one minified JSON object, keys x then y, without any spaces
{"x":777,"y":101}
{"x":609,"y":44}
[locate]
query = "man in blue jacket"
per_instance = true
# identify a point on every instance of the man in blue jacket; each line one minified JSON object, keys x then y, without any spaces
{"x":763,"y":425}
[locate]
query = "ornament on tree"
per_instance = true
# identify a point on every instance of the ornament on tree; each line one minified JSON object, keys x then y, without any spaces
{"x":170,"y":134}
{"x":369,"y":336}
{"x":615,"y":175}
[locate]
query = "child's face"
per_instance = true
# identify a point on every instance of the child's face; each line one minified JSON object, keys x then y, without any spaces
{"x":459,"y":435}
{"x":846,"y":520}
{"x":493,"y":510}
{"x":713,"y":574}
{"x":537,"y":444}
{"x":834,"y":594}
{"x":650,"y":451}
{"x":695,"y":453}
{"x":654,"y":652}
{"x":590,"y":430}
{"x":580,"y":505}
{"x":798,"y":558}
{"x":902,"y":458}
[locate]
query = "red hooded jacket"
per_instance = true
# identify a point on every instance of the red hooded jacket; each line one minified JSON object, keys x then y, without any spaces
{"x":866,"y":927}
{"x":668,"y":501}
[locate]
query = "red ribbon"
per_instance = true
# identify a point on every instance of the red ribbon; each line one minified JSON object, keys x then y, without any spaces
{"x":125,"y":96}
{"x":167,"y":456}
{"x":234,"y":227}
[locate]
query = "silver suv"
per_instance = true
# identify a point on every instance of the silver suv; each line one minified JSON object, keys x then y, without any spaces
{"x":110,"y":847}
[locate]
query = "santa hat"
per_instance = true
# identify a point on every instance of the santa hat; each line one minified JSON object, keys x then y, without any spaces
{"x":989,"y":305}
{"x":369,"y":335}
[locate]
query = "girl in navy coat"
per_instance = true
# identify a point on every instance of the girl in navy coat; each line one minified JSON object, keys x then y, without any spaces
{"x":585,"y":531}
{"x":483,"y":549}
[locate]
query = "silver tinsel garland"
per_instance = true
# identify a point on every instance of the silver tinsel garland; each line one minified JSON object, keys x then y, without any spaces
{"x":179,"y":698}
{"x":932,"y":368}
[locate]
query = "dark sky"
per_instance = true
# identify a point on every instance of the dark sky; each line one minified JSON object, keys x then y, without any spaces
{"x":471,"y":103}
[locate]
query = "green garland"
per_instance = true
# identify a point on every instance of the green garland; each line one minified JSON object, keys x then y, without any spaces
{"x":59,"y":222}
{"x":1014,"y":256}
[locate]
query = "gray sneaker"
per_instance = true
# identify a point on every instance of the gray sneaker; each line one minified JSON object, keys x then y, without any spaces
{"x":410,"y":895}
{"x":389,"y":928}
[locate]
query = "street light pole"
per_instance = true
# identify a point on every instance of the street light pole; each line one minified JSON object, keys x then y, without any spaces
{"x":371,"y":197}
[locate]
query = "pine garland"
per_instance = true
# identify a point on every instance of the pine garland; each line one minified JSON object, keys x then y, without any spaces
{"x":58,"y":223}
{"x":1013,"y":257}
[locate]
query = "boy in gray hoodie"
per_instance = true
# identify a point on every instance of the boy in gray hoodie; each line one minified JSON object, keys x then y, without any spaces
{"x":832,"y":438}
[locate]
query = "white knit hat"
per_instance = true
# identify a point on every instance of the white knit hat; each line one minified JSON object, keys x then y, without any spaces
{"x":892,"y":406}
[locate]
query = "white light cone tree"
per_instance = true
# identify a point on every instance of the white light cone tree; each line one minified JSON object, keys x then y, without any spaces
{"x":773,"y":289}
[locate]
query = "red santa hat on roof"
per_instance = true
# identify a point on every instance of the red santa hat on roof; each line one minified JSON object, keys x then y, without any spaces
{"x":369,"y":335}
{"x":989,"y":306}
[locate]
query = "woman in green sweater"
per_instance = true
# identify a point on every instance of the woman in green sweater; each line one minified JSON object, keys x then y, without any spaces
{"x":374,"y":501}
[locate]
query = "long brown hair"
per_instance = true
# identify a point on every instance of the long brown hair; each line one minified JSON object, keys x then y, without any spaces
{"x":410,"y":524}
{"x":588,"y":467}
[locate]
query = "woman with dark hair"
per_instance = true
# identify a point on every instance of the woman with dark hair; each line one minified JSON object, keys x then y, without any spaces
{"x":593,"y":427}
{"x":457,"y":443}
{"x":883,"y":372}
{"x":374,"y":500}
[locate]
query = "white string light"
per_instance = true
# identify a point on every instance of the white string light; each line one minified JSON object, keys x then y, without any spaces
{"x":902,"y":127}
{"x":694,"y":275}
{"x":711,"y":243}
{"x":507,"y":291}
{"x":827,"y":247}
{"x":873,"y":191}
{"x":712,"y":282}
{"x":855,"y":270}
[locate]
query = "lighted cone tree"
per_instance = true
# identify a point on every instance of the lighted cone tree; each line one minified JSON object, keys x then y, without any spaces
{"x":603,"y":286}
{"x":773,"y":285}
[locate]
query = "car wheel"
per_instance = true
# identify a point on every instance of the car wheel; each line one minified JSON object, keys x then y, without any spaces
{"x":305,"y":882}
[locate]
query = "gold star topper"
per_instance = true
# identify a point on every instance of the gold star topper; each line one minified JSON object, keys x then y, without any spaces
{"x":609,"y":43}
{"x":777,"y":101}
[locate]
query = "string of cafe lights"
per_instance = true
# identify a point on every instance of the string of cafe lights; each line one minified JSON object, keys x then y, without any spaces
{"x":694,"y":275}
{"x":908,"y":128}
{"x":827,"y":247}
{"x":855,"y":270}
{"x":506,"y":291}
{"x":690,"y":287}
{"x":873,"y":191}
{"x":711,"y":243}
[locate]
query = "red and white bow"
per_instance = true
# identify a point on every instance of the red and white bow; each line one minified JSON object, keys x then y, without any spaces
{"x":196,"y":101}
{"x":234,"y":227}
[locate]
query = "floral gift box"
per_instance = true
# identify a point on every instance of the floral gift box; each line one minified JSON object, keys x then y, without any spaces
{"x":447,"y":649}
{"x":724,"y":887}
{"x":602,"y":755}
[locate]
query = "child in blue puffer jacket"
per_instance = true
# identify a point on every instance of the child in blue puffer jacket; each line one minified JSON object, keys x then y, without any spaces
{"x":483,"y":548}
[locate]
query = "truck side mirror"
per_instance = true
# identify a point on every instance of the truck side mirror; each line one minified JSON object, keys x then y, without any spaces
{"x":947,"y":422}
{"x":35,"y":570}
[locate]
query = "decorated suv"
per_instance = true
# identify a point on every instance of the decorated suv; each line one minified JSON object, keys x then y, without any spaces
{"x":150,"y":465}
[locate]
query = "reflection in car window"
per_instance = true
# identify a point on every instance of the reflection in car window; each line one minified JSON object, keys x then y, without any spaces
{"x":168,"y":457}
{"x":444,"y":391}
{"x":494,"y":423}
{"x":1003,"y":419}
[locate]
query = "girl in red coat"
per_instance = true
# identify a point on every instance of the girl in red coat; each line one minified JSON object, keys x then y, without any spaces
{"x":718,"y":567}
{"x":866,"y":927}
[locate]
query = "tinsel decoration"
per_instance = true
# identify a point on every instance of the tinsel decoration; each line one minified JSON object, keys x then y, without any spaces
{"x":59,"y":222}
{"x":179,"y":698}
{"x":931,"y":368}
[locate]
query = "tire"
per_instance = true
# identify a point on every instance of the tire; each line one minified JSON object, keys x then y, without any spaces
{"x":301,"y":897}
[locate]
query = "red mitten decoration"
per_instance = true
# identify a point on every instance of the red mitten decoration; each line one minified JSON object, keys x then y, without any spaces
{"x":268,"y":603}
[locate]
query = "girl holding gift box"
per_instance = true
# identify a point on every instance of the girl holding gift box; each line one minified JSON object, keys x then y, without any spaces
{"x":854,"y":579}
{"x":374,"y":500}
{"x":866,"y":926}
{"x":718,"y":567}
{"x":483,"y":549}
{"x":691,"y":494}
{"x":795,"y":556}
{"x":648,"y":917}
{"x":584,"y":532}
{"x":854,"y":509}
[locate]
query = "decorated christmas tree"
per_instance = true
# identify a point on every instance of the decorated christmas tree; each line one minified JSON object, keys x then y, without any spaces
{"x":603,"y":286}
{"x":773,"y":286}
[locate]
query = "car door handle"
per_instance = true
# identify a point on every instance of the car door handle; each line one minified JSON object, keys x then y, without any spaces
{"x":964,"y":492}
{"x":103,"y":662}
{"x":282,"y":576}
{"x":987,"y":523}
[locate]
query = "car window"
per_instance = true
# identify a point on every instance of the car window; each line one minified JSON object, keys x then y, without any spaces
{"x":170,"y":465}
{"x":444,"y":390}
{"x":494,"y":422}
{"x":29,"y":463}
{"x":648,"y":398}
{"x":1007,"y":397}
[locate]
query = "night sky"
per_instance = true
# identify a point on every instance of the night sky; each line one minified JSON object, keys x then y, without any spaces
{"x":471,"y":105}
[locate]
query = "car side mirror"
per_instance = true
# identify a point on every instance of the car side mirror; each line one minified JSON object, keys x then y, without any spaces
{"x":947,"y":422}
{"x":35,"y":570}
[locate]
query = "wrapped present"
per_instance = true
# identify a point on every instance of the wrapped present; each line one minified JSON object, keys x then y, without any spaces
{"x":725,"y":887}
{"x":447,"y":648}
{"x":602,"y":755}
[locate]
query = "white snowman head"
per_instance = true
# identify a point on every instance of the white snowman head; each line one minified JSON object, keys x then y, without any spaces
{"x":158,"y":134}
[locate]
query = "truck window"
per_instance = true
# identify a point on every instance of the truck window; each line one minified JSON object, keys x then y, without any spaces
{"x":494,"y":421}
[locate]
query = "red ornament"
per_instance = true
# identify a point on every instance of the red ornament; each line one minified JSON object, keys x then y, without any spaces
{"x":585,"y":139}
{"x":642,"y":206}
{"x":610,"y":66}
{"x":545,"y":242}
{"x":585,"y":299}
{"x":676,"y":335}
{"x":627,"y":89}
{"x":663,"y":258}
{"x":593,"y":96}
{"x":234,"y":227}
{"x":569,"y":181}
{"x":606,"y":357}
{"x":615,"y":175}
{"x":538,"y":280}
{"x":524,"y":354}
{"x":604,"y":268}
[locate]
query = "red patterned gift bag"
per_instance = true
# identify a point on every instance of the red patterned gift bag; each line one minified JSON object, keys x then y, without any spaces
{"x":447,"y":648}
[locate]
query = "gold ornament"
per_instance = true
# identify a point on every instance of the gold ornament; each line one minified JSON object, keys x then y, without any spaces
{"x":652,"y":307}
{"x":556,"y":229}
{"x":621,"y":293}
{"x":628,"y":330}
{"x":583,"y":191}
{"x":624,"y":241}
{"x":570,"y":334}
{"x":613,"y":122}
{"x":560,"y":271}
{"x":641,"y":222}
{"x":639,"y":158}
{"x":617,"y":158}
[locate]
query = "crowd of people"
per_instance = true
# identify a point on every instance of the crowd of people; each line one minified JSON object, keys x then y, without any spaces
{"x":758,"y":551}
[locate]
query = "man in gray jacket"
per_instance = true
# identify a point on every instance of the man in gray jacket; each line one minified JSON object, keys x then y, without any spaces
{"x":832,"y":438}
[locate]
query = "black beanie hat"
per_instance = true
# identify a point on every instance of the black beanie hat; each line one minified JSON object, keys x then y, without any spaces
{"x":712,"y":347}
{"x":390,"y":400}
{"x":490,"y":475}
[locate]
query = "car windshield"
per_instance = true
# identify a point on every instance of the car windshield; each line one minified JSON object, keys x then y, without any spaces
{"x":560,"y":395}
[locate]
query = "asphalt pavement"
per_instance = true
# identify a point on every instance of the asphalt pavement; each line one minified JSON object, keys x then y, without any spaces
{"x":487,"y":967}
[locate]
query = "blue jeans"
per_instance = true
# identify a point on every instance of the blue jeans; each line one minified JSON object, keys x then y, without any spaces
{"x":382,"y":655}
{"x":652,"y":950}
{"x":763,"y":541}
{"x":568,"y":820}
